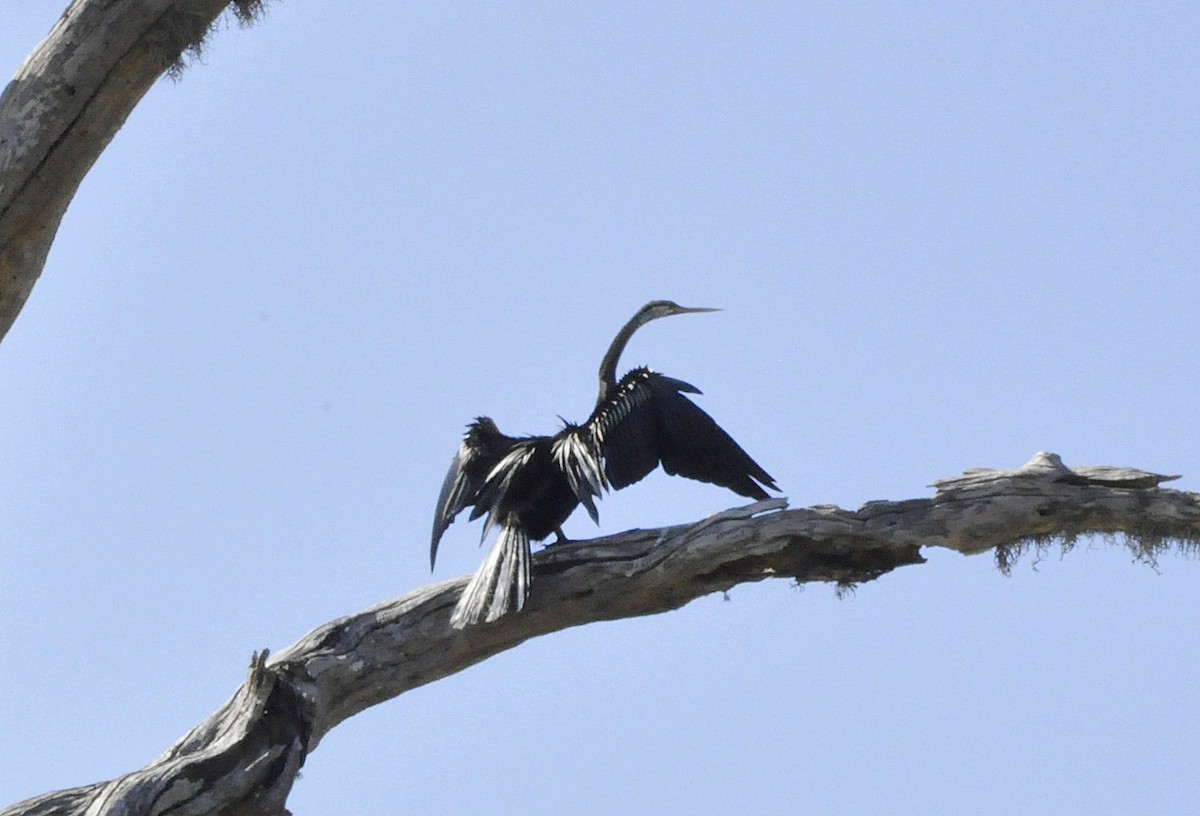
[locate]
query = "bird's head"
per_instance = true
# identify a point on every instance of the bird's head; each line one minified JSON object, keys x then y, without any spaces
{"x":665,"y":308}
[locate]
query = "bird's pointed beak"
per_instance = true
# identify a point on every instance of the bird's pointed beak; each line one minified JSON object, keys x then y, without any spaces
{"x":695,"y":309}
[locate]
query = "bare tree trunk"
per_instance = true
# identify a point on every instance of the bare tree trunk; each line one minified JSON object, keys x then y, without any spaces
{"x":244,"y":758}
{"x":67,"y":101}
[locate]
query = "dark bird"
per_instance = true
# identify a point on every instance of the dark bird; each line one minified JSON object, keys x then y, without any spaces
{"x":529,"y":485}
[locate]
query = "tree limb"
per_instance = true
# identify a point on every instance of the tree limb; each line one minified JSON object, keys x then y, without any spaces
{"x":244,"y":758}
{"x":65,"y":104}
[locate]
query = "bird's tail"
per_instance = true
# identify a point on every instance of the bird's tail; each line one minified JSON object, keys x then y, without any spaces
{"x":501,"y":583}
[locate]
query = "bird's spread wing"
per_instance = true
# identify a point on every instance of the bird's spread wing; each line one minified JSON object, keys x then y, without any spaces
{"x":480,"y":452}
{"x":650,"y":421}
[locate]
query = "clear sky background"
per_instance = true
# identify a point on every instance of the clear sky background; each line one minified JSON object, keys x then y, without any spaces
{"x":945,"y":235}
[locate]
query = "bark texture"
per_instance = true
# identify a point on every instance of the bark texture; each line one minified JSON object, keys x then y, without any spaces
{"x":67,"y":101}
{"x":244,"y":758}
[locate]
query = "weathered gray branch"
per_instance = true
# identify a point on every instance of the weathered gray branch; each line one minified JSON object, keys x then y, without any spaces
{"x":244,"y":758}
{"x":66,"y":102}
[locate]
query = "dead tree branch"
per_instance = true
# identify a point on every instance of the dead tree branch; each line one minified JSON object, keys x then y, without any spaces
{"x":65,"y":104}
{"x":244,"y":758}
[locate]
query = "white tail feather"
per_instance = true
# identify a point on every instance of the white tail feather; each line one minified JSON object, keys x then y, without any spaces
{"x":501,"y":583}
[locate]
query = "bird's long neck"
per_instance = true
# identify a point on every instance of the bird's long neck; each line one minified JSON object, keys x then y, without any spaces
{"x":608,"y":366}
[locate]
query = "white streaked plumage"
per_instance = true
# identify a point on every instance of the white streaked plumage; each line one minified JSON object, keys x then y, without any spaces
{"x":579,"y":459}
{"x":501,"y":476}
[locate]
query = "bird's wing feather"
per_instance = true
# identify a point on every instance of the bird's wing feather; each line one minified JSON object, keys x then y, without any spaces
{"x":495,"y":485}
{"x":478,"y":454}
{"x":695,"y":446}
{"x":651,"y":421}
{"x":577,"y":456}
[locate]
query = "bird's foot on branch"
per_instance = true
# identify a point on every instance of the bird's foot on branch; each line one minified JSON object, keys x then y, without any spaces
{"x":559,"y":538}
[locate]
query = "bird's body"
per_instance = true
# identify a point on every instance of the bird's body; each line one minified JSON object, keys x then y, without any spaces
{"x":528,"y":489}
{"x":528,"y":486}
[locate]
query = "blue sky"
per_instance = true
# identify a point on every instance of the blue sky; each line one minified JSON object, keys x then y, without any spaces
{"x":944,"y":236}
